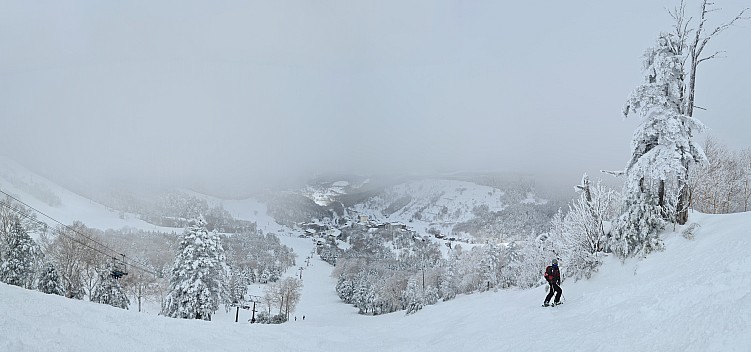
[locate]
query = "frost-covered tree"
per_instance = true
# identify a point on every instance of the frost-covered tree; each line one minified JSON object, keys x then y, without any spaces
{"x":237,"y":287}
{"x":20,"y":256}
{"x":636,"y":231}
{"x":663,"y":151}
{"x":70,"y":250}
{"x":262,"y":257}
{"x":108,"y":291}
{"x":344,"y":288}
{"x":579,"y":237}
{"x":724,"y":186}
{"x":284,"y":294}
{"x":12,"y":211}
{"x":662,"y":148}
{"x":490,"y":266}
{"x":388,"y":297}
{"x":744,"y":196}
{"x":49,"y":281}
{"x":413,"y":298}
{"x":198,"y":278}
{"x":291,"y":288}
{"x":525,"y":261}
{"x":448,"y":287}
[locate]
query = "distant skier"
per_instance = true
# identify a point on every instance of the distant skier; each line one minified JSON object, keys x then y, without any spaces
{"x":553,"y":276}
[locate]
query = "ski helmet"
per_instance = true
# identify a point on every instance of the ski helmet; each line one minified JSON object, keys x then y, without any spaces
{"x":555,"y":261}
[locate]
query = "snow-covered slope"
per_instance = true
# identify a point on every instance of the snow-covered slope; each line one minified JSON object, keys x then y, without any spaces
{"x":62,"y":204}
{"x":248,"y":209}
{"x":692,"y":297}
{"x":431,"y":203}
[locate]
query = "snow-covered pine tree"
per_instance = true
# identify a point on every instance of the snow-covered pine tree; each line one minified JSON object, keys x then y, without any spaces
{"x":447,"y":287}
{"x":636,"y":231}
{"x":490,"y":266}
{"x":198,"y":278}
{"x":363,"y":293}
{"x":662,"y":146}
{"x":662,"y":149}
{"x":20,"y":257}
{"x":431,"y":295}
{"x":238,"y":287}
{"x":666,"y":101}
{"x":109,"y":291}
{"x":345,"y":289}
{"x":49,"y":281}
{"x":413,"y":296}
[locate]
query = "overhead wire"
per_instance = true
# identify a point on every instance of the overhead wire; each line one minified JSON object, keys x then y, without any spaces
{"x":130,"y":263}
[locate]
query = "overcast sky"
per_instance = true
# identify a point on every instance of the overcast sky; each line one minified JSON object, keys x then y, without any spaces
{"x":224,"y":94}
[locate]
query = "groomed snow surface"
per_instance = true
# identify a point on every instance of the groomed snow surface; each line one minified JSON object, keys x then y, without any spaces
{"x":695,"y":296}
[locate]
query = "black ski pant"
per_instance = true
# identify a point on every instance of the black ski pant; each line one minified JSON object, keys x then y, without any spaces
{"x":554,"y":288}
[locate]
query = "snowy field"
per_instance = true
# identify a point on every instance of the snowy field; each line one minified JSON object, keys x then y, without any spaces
{"x":692,"y":297}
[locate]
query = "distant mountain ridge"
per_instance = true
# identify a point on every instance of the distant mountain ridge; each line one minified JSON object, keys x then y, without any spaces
{"x":456,"y":204}
{"x":465,"y":205}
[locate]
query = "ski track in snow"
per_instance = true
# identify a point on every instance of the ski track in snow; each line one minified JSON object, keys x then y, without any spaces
{"x":692,"y":297}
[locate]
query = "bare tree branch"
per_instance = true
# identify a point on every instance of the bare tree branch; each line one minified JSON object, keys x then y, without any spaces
{"x":614,"y":173}
{"x":715,"y":55}
{"x":719,"y":29}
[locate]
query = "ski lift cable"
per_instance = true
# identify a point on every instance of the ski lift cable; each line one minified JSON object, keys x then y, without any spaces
{"x":125,"y":261}
{"x":42,"y":223}
{"x":64,"y":225}
{"x":19,"y":212}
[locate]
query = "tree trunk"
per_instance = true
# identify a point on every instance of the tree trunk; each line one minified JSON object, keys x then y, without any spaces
{"x":681,"y":216}
{"x":661,"y":200}
{"x":139,"y":294}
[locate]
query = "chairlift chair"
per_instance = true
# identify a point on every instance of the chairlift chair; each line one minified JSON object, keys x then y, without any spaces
{"x":119,"y":268}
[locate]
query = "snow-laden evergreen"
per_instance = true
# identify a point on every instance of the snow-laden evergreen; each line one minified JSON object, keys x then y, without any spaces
{"x":20,"y":256}
{"x":109,"y":291}
{"x":637,"y":230}
{"x":662,"y":150}
{"x":198,"y":279}
{"x":413,"y":297}
{"x":49,"y":281}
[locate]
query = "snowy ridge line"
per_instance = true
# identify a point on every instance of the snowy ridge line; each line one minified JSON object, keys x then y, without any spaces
{"x":9,"y":206}
{"x":68,"y":206}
